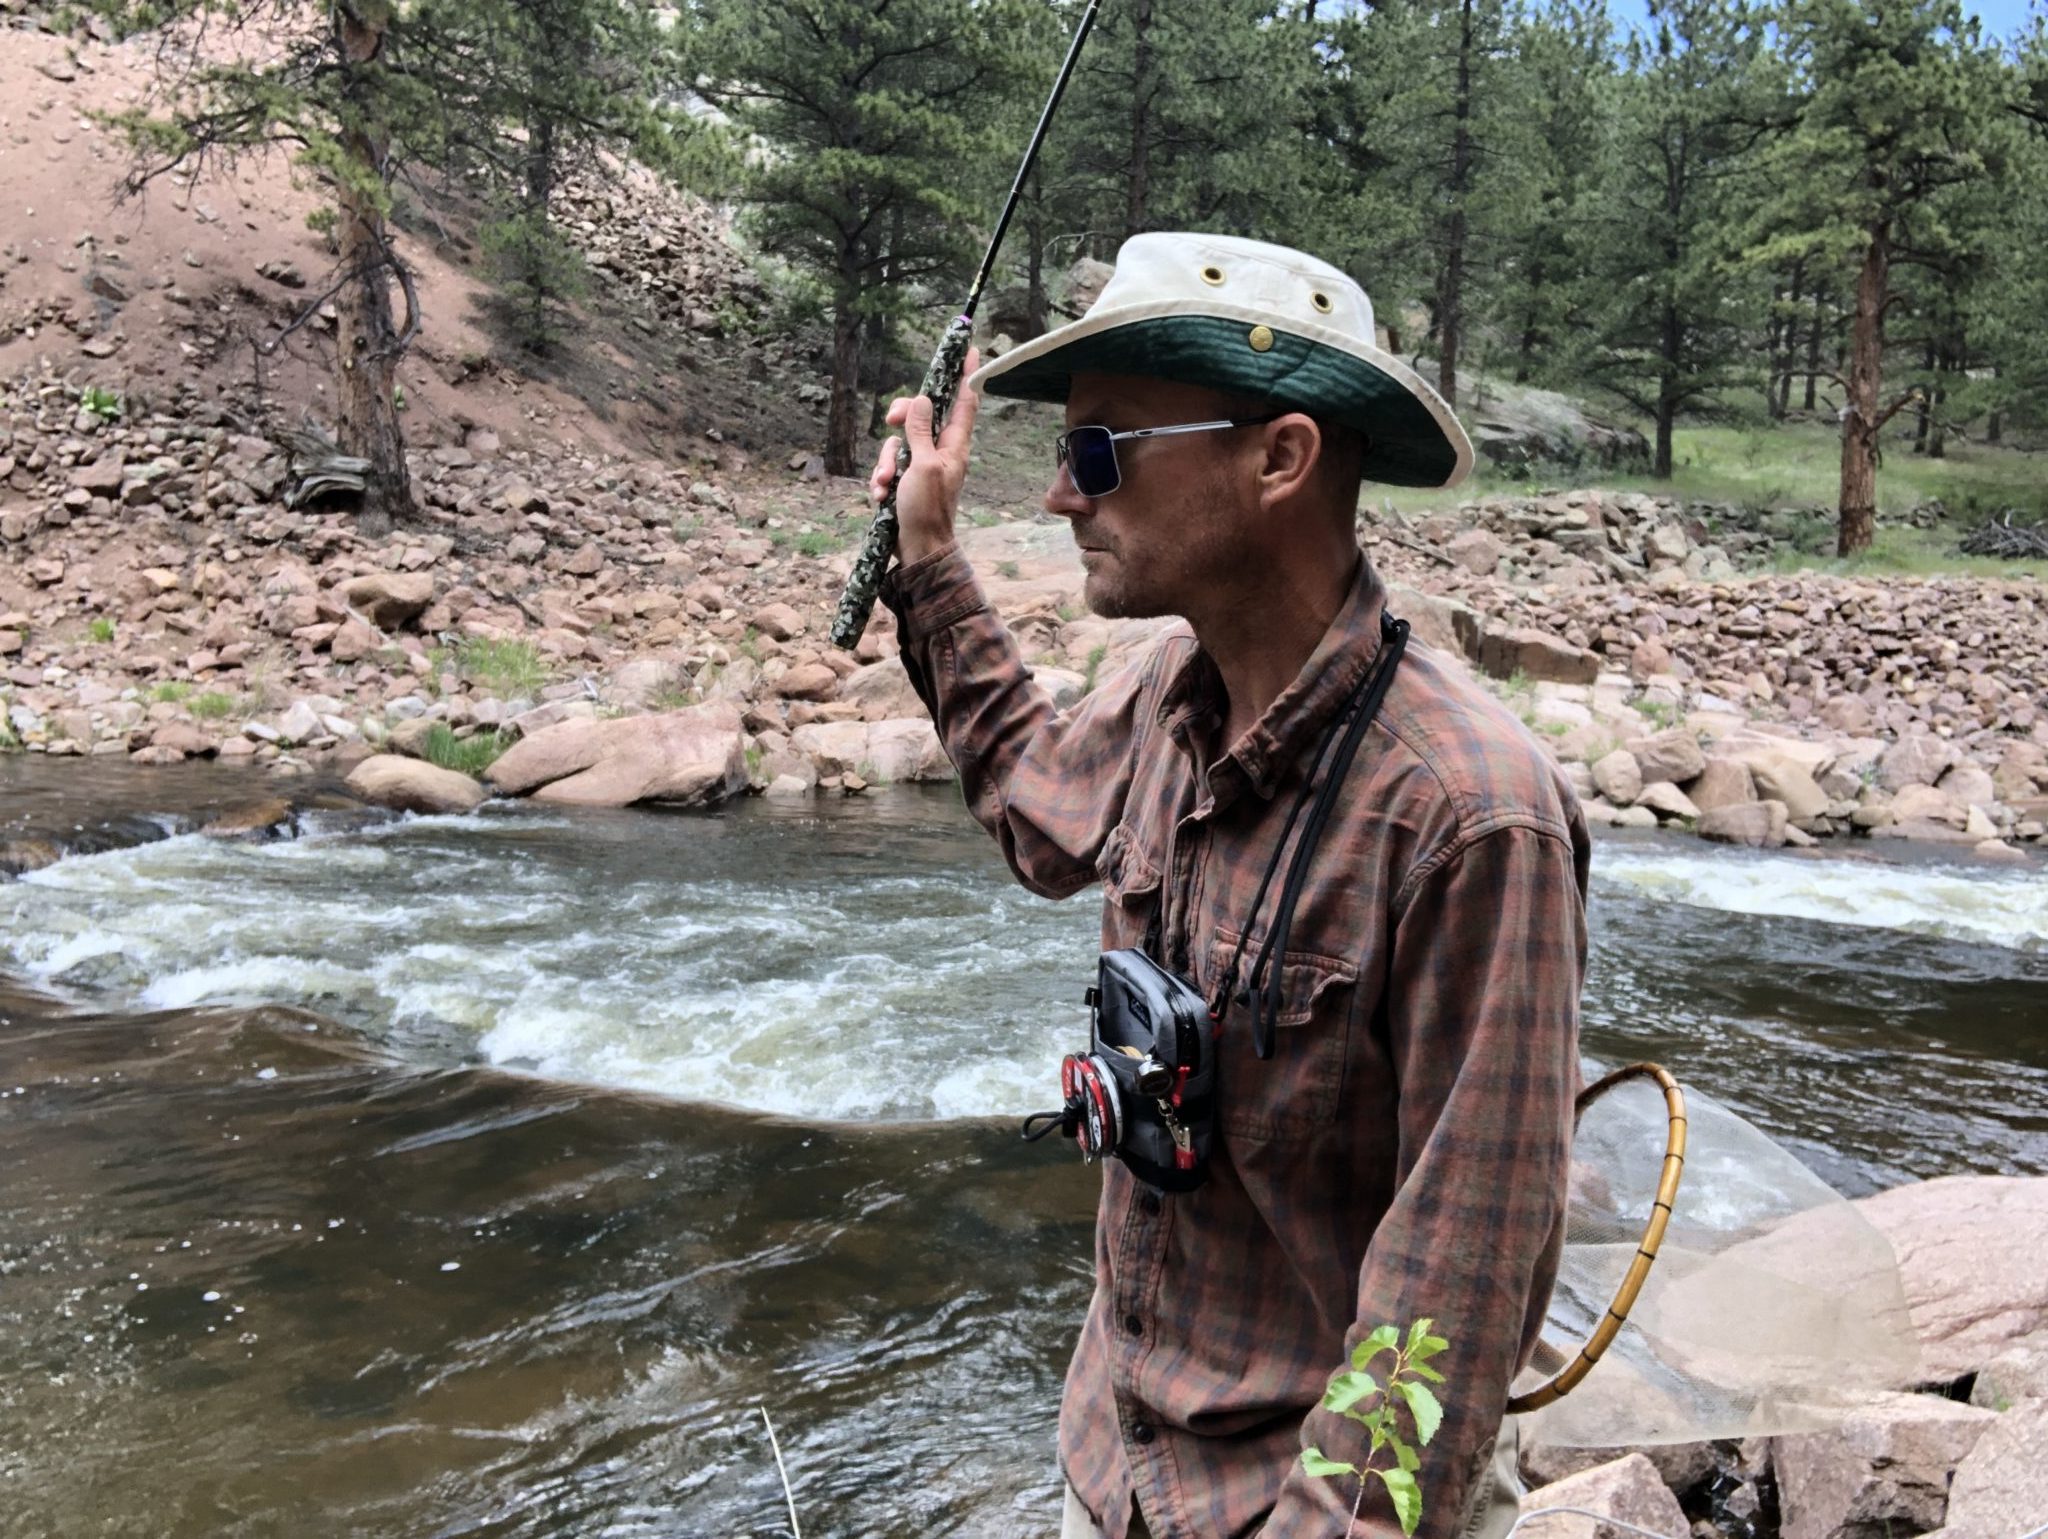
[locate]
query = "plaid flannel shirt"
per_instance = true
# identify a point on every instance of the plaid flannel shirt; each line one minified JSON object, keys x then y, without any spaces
{"x":1403,"y":1153}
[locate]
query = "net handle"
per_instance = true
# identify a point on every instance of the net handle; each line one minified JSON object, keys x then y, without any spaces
{"x":1565,"y":1381}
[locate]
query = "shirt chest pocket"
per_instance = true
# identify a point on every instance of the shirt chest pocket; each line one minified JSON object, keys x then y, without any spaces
{"x":1130,"y":890}
{"x":1294,"y":1096}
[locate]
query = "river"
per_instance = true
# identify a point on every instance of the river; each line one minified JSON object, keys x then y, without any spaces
{"x":483,"y":1175}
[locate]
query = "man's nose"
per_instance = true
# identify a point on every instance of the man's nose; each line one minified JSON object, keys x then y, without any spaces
{"x":1062,"y":499}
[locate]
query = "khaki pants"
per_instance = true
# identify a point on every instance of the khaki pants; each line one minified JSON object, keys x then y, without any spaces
{"x":1496,"y":1500}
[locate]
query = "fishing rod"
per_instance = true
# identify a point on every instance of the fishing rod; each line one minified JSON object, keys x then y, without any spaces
{"x":942,"y":376}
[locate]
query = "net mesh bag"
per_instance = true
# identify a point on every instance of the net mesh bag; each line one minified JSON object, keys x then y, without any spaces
{"x":1772,"y":1306}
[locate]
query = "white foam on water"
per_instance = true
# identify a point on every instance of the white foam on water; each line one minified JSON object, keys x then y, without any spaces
{"x":1998,"y":908}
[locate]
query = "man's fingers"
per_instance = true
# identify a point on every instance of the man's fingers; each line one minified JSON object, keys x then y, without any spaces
{"x":885,"y":469}
{"x":960,"y":423}
{"x":917,"y":427}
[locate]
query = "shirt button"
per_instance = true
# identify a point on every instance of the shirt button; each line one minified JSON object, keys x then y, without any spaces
{"x":1141,"y":1432}
{"x":1150,"y":1205}
{"x":1133,"y":1325}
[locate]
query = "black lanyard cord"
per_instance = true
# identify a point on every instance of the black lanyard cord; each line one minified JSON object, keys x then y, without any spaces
{"x":1264,"y":990}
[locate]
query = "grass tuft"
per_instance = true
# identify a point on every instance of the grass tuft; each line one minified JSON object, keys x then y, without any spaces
{"x":466,"y":755}
{"x":505,"y":666}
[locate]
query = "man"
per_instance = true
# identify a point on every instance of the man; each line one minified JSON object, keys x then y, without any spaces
{"x":1402,"y":1152}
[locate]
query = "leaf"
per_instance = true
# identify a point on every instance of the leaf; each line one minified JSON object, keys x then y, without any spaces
{"x":1405,"y":1456}
{"x":1347,"y":1389}
{"x":1407,"y":1495}
{"x":1422,"y":1351}
{"x":1417,"y":1331}
{"x":1386,"y":1339}
{"x":1424,"y":1371}
{"x":1427,"y":1410}
{"x":1313,"y":1462}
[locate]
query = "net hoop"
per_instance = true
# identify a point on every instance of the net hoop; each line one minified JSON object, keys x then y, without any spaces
{"x":1567,"y":1379}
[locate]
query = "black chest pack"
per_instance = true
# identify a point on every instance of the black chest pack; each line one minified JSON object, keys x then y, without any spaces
{"x":1145,"y":1089}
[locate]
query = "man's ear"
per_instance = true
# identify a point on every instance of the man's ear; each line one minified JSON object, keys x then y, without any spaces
{"x":1293,"y":446}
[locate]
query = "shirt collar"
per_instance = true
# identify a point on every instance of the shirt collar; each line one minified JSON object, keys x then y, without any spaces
{"x":1293,"y":722}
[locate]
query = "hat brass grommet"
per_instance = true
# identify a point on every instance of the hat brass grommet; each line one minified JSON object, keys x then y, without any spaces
{"x":1321,"y":302}
{"x":1213,"y":276}
{"x":1261,"y":339}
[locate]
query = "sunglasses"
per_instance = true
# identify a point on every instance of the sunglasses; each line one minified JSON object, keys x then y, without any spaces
{"x":1088,"y":454}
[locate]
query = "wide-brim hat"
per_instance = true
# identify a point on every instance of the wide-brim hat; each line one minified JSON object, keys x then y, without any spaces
{"x":1253,"y":319}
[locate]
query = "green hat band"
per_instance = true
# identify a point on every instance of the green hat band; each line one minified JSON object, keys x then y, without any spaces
{"x":1406,"y":447}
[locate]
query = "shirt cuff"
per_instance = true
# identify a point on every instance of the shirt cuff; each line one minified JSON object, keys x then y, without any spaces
{"x":933,"y":592}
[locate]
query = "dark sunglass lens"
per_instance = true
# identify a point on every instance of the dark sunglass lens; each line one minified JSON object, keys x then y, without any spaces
{"x":1092,"y":456}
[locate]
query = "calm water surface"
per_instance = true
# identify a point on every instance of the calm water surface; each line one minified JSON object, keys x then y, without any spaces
{"x":482,"y":1175}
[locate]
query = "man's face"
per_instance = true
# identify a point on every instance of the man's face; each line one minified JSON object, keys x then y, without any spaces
{"x":1180,"y":526}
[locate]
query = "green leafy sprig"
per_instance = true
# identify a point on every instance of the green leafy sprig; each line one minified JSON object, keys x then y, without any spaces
{"x":1376,"y":1405}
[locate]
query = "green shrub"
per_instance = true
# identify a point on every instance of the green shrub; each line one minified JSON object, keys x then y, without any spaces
{"x":213,"y":705}
{"x":101,"y":629}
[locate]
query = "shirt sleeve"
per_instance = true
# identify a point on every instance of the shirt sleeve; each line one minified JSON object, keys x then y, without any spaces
{"x":1482,"y":1022}
{"x":1049,"y":785}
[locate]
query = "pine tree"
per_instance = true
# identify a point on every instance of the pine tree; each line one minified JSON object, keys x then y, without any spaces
{"x":1669,"y":330}
{"x":878,"y":130}
{"x":362,"y":93}
{"x":1898,"y":105}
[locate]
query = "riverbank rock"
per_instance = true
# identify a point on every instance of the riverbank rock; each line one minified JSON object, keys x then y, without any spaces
{"x":1970,"y":1253}
{"x":1681,"y":1466}
{"x":413,"y":785}
{"x":2001,"y":1487}
{"x":389,"y":600}
{"x":693,"y":757}
{"x":1883,"y":1472}
{"x":1760,"y":824}
{"x":1629,"y":1489}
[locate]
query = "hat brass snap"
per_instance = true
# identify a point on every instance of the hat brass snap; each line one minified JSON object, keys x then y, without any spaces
{"x":1261,"y":339}
{"x":1213,"y":276}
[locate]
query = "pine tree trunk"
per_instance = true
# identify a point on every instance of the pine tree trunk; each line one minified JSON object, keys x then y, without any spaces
{"x":1788,"y":341}
{"x":1667,"y":390}
{"x":1137,"y":194}
{"x":1037,"y":306}
{"x":1994,"y":430}
{"x":842,"y":416}
{"x":366,"y":335}
{"x":1451,"y":283}
{"x":1813,"y":350}
{"x":1923,"y":414}
{"x":1858,"y":503}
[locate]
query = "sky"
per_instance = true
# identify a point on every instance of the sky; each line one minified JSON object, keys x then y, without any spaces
{"x":2001,"y":18}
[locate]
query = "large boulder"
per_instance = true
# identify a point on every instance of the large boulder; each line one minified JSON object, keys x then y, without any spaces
{"x":1521,"y":428}
{"x":1917,"y":759}
{"x":1785,"y":777}
{"x":413,"y":785}
{"x":1760,"y":825}
{"x":389,"y":599}
{"x":694,"y":757}
{"x":835,"y":747}
{"x":1628,"y":1489}
{"x":1672,"y":755}
{"x":1970,"y":1253}
{"x":2001,"y":1487}
{"x":1681,"y":1466}
{"x":906,"y":750}
{"x":1450,"y":625}
{"x":1619,"y":777}
{"x":1882,"y":1474}
{"x":1722,"y":783}
{"x":882,"y":691}
{"x":1536,"y":655}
